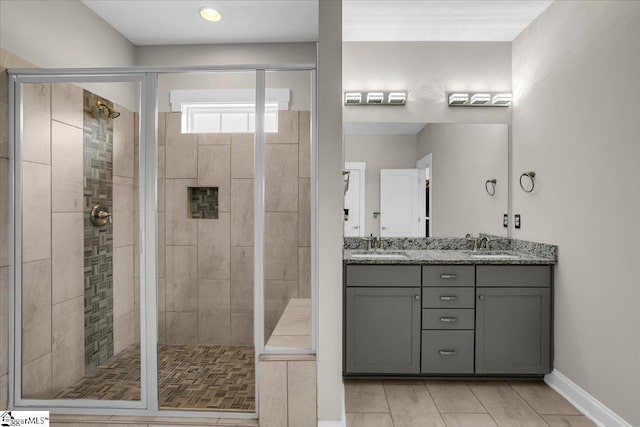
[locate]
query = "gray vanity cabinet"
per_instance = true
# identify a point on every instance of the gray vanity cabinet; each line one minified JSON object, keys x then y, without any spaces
{"x":485,"y":320}
{"x":513,"y":323}
{"x":382,"y":320}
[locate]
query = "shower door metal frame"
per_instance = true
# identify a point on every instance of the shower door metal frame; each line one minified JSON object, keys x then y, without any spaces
{"x":16,"y":82}
{"x":147,"y":77}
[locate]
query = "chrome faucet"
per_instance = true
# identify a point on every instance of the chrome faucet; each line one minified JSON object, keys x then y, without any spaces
{"x":484,"y":243}
{"x":373,"y":242}
{"x":470,"y":238}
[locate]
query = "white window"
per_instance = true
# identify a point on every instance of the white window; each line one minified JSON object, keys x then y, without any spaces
{"x":227,"y":111}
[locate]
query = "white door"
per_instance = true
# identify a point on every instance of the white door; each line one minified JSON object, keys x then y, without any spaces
{"x":354,"y":200}
{"x":400,"y":203}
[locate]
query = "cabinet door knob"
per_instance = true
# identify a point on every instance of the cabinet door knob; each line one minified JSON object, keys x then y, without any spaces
{"x":481,"y":297}
{"x":417,"y":297}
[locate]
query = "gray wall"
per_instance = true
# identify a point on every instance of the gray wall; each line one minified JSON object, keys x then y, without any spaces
{"x":268,"y":53}
{"x":575,"y":122}
{"x":464,"y":156}
{"x":379,"y":152}
{"x":427,"y":70}
{"x":330,"y":203}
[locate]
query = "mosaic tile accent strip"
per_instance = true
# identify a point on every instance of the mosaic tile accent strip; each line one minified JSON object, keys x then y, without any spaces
{"x":194,"y":377}
{"x":98,"y":241}
{"x":203,"y":202}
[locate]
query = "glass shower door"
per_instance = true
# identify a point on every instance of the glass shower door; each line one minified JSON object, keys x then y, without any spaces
{"x":77,"y":258}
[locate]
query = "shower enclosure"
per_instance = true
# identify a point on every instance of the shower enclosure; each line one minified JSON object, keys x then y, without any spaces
{"x":163,"y":234}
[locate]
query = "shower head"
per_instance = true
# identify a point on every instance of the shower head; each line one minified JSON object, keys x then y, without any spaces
{"x":112,"y":114}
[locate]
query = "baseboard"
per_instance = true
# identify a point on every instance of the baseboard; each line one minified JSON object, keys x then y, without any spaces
{"x":331,"y":423}
{"x":587,"y":404}
{"x":340,"y":423}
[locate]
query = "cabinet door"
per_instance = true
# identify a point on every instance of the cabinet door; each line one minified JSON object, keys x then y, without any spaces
{"x":513,"y":331}
{"x":382,"y":330}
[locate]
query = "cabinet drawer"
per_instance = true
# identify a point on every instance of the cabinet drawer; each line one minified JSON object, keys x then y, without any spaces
{"x":514,"y":275}
{"x":448,"y":318}
{"x":448,"y":297}
{"x":447,"y":352}
{"x":383,"y":275}
{"x":448,"y":275}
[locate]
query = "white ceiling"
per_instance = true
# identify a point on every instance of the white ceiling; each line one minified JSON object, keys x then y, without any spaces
{"x":157,"y":22}
{"x":431,"y":20}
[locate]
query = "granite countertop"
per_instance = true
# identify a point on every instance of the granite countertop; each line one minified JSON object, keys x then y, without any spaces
{"x":435,"y":256}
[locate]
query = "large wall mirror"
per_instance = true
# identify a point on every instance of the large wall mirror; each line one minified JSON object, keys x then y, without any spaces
{"x":425,"y":180}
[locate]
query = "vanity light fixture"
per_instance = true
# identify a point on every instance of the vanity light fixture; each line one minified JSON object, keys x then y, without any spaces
{"x":479,"y":99}
{"x":501,"y":99}
{"x":351,"y":98}
{"x":210,"y":14}
{"x":375,"y":98}
{"x":458,"y":98}
{"x":397,"y":98}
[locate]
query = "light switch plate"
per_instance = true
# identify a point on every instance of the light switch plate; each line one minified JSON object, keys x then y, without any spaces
{"x":516,"y":222}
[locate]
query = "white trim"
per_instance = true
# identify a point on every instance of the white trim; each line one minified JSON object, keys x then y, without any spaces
{"x":322,"y":423}
{"x":339,"y":423}
{"x":595,"y":410}
{"x":227,"y":96}
{"x":362,"y":167}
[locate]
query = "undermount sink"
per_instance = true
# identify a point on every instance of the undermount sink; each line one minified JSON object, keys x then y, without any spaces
{"x":494,"y":256}
{"x":379,"y":255}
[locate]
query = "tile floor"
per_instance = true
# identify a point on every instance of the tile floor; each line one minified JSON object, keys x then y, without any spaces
{"x":199,"y":377}
{"x":409,"y":403}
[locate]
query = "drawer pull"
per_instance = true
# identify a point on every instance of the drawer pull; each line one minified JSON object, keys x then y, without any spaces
{"x":448,"y":319}
{"x":448,"y":276}
{"x":448,"y":352}
{"x":448,"y":298}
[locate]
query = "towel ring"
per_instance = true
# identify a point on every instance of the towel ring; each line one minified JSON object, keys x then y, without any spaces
{"x":490,"y":190}
{"x":531,"y":175}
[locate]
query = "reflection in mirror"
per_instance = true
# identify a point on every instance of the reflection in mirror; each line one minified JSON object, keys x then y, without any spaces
{"x":426,"y":181}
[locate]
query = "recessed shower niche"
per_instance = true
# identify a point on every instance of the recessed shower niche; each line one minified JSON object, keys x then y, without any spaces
{"x":203,"y":202}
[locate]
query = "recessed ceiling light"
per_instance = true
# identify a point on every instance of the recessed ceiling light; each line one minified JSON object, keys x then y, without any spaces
{"x":210,"y":14}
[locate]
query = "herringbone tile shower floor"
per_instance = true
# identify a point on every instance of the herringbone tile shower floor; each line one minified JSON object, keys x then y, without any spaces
{"x":196,"y":377}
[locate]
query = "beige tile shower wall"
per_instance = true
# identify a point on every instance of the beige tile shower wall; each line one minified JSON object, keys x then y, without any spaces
{"x":126,"y":318}
{"x":206,"y":265}
{"x":53,"y":255}
{"x":287,"y":216}
{"x":53,"y":259}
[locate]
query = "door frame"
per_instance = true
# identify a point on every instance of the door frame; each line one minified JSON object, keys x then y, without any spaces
{"x":422,"y":164}
{"x":362,"y":167}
